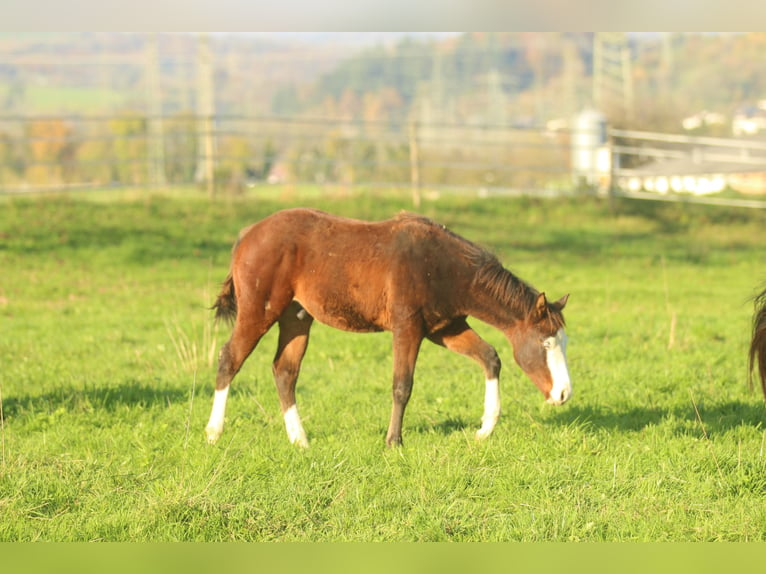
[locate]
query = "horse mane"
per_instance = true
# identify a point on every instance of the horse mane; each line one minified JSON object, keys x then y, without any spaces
{"x":491,"y":276}
{"x":510,"y":290}
{"x":758,"y":343}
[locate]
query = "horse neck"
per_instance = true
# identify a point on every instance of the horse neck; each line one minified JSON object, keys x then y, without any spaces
{"x":499,"y":298}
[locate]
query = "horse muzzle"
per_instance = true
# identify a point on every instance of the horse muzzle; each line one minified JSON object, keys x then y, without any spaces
{"x":559,"y":396}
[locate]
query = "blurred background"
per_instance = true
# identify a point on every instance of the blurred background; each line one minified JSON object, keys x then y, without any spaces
{"x":647,"y":114}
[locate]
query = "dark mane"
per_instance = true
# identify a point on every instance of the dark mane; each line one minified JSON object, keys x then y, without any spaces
{"x":508,"y":289}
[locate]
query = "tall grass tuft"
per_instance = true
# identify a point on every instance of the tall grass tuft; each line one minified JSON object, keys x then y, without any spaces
{"x":195,"y":345}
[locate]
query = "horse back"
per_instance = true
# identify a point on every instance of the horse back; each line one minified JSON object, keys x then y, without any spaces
{"x":352,"y":274}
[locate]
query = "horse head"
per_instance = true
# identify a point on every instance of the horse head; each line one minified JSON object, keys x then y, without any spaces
{"x":539,"y":348}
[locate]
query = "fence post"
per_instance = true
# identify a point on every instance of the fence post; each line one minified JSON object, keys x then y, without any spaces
{"x":613,"y":159}
{"x":414,"y":164}
{"x":205,"y":110}
{"x":209,"y":170}
{"x":155,"y":133}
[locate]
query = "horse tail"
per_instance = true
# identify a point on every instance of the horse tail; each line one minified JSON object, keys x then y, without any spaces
{"x":758,"y":343}
{"x":226,"y":304}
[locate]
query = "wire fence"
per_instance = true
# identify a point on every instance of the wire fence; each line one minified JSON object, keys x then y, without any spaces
{"x":227,"y":154}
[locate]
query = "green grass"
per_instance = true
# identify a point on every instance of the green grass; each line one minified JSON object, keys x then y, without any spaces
{"x":107,"y":361}
{"x":57,"y":99}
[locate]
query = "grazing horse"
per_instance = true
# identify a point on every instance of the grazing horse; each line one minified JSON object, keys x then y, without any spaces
{"x":407,"y":275}
{"x":758,"y":342}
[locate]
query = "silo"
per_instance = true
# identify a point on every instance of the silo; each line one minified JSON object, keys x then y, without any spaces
{"x":589,"y":146}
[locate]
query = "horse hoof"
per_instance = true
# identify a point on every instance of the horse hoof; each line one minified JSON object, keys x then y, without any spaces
{"x":213,"y":434}
{"x":302,"y":443}
{"x":482,"y":434}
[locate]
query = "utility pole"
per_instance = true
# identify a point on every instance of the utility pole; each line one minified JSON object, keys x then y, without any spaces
{"x":666,"y":62}
{"x":612,"y":73}
{"x":538,"y":70}
{"x":667,"y":68}
{"x":437,"y":86}
{"x":205,"y":112}
{"x":627,"y":83}
{"x":497,"y":114}
{"x":156,"y":145}
{"x":598,"y":72}
{"x":570,"y":73}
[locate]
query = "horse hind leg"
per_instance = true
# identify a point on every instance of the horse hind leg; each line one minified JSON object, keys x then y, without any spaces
{"x":294,"y":326}
{"x":406,"y":347}
{"x":233,"y":354}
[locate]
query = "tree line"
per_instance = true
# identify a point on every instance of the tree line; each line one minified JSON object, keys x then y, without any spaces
{"x":68,"y":151}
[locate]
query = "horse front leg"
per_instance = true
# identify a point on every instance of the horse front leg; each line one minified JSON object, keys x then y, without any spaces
{"x":460,"y":338}
{"x":406,"y":346}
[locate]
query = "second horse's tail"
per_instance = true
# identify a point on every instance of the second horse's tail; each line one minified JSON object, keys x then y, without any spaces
{"x":758,"y":342}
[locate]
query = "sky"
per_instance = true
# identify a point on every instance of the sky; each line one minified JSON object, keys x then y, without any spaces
{"x":378,"y":15}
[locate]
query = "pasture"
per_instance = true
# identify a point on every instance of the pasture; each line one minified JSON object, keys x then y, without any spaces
{"x":108,"y":358}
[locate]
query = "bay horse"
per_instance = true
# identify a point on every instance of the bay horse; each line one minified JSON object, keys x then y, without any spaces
{"x":407,"y":275}
{"x":758,"y":341}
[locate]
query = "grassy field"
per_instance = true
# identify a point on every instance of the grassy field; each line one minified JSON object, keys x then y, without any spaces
{"x":107,"y":361}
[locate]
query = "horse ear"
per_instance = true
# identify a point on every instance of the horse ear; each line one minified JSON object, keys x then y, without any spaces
{"x":541,"y":305}
{"x":561,"y":303}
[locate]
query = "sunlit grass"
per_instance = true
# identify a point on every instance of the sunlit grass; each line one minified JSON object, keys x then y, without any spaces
{"x":108,"y":357}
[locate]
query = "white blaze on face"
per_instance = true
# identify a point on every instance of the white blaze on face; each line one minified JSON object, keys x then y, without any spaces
{"x":556,"y":357}
{"x":215,"y":424}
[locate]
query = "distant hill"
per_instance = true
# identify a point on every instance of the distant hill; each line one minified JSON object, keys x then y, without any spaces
{"x":506,"y":78}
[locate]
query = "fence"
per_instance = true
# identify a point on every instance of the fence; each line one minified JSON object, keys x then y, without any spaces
{"x":669,"y":167}
{"x":227,"y":154}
